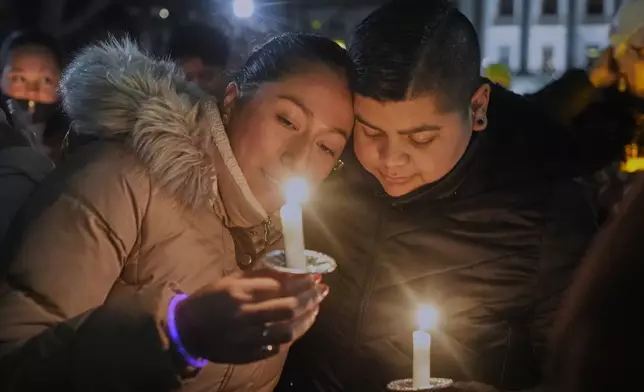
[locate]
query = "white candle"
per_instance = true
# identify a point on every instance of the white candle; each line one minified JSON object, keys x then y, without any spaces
{"x":296,"y":191}
{"x":427,"y":316}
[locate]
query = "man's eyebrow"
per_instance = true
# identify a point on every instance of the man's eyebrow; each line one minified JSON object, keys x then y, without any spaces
{"x":420,"y":128}
{"x":365,"y":122}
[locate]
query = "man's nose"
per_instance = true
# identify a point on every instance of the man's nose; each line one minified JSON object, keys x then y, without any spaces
{"x":393,"y":156}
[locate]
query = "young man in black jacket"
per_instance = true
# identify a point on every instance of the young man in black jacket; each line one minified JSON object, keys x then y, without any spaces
{"x":451,"y":196}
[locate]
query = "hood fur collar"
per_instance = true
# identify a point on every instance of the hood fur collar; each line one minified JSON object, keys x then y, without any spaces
{"x":113,"y":89}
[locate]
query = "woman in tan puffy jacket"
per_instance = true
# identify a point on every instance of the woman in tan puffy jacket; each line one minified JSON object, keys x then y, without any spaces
{"x":131,"y":269}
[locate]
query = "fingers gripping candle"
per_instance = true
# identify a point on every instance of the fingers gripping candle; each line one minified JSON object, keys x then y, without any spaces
{"x":296,"y":192}
{"x":427,"y":318}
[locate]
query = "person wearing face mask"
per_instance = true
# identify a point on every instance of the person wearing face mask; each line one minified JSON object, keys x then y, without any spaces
{"x":32,"y":64}
{"x":441,"y":203}
{"x":134,"y":266}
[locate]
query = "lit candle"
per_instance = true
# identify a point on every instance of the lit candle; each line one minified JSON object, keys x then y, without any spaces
{"x":427,"y":316}
{"x":296,"y":192}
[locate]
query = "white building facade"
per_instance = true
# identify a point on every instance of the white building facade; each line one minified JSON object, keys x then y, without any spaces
{"x":556,"y":40}
{"x":537,"y":39}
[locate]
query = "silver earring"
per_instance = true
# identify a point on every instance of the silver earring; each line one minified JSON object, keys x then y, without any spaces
{"x":224,"y":118}
{"x":338,"y":165}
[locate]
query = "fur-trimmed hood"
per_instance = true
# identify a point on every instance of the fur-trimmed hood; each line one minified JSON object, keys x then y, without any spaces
{"x":114,"y":90}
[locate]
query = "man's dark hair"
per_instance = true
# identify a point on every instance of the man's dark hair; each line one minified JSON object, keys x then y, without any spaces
{"x":207,"y":43}
{"x":405,"y":49}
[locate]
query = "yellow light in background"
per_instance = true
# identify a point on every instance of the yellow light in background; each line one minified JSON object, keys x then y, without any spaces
{"x":593,"y":52}
{"x":341,"y":43}
{"x":499,"y":73}
{"x":316,"y":24}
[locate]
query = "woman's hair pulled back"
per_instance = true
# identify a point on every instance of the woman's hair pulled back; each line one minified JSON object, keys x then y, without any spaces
{"x":289,"y":54}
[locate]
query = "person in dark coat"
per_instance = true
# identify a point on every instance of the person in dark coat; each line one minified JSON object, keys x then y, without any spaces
{"x":602,"y":109}
{"x":598,"y":336}
{"x":32,"y":64}
{"x":447,"y":199}
{"x":21,"y":169}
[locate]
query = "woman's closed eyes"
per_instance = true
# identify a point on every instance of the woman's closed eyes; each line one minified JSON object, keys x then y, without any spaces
{"x":286,"y":122}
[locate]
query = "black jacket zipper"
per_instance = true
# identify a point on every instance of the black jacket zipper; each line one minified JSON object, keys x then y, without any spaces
{"x":366,"y":293}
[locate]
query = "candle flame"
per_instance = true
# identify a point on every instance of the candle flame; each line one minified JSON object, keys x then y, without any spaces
{"x":427,"y":317}
{"x":296,"y":190}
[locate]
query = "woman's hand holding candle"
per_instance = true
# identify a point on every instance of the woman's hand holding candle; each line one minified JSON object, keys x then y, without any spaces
{"x":246,"y":316}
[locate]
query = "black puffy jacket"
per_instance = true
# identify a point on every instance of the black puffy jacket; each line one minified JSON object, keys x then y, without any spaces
{"x":493,"y":245}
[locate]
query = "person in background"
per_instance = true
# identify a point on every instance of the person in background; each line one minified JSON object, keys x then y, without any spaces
{"x":602,"y":108}
{"x":439,"y":202}
{"x":21,"y":169}
{"x":598,"y":336}
{"x":203,"y":53}
{"x":133,"y":264}
{"x":31,"y":68}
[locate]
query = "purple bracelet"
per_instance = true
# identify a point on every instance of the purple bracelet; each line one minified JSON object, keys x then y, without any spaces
{"x":174,"y":333}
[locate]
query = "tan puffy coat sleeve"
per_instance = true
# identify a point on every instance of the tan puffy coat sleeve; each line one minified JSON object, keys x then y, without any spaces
{"x":55,"y":330}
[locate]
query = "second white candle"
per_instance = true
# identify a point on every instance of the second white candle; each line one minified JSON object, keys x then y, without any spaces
{"x":422,"y":340}
{"x":422,"y":359}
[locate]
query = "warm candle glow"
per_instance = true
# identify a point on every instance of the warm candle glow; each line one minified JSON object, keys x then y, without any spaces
{"x":296,"y":190}
{"x":427,"y":317}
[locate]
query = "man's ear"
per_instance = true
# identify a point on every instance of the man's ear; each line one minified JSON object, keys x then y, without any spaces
{"x":478,"y":106}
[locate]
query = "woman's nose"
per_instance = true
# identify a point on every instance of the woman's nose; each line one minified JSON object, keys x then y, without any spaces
{"x":294,"y":161}
{"x":295,"y":157}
